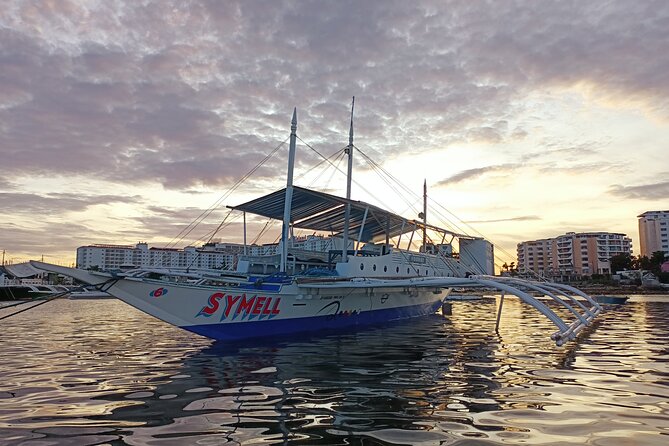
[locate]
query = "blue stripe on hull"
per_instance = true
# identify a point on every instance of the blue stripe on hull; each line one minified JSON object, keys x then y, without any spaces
{"x":283,"y":327}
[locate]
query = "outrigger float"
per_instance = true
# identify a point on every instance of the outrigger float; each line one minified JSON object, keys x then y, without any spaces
{"x":362,"y":279}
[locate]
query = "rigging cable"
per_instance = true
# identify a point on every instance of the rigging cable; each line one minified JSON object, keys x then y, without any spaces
{"x":363,"y":188}
{"x":339,"y":159}
{"x":453,"y":224}
{"x":209,"y":240}
{"x":262,"y":232}
{"x":188,"y":229}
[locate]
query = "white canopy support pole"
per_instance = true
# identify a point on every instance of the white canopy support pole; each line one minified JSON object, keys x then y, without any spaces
{"x":399,"y":239}
{"x":289,"y":192}
{"x":362,"y":227}
{"x":415,"y":226}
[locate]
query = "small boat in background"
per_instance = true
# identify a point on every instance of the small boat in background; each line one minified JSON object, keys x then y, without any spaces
{"x":464,"y":297}
{"x":614,"y":300}
{"x":89,"y":293}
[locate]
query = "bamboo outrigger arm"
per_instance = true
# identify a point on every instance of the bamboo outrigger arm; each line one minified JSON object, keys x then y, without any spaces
{"x":566,"y":331}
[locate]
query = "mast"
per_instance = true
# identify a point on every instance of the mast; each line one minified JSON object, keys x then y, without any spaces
{"x":244,"y":214}
{"x":349,"y":174}
{"x":289,"y":192}
{"x":424,"y":214}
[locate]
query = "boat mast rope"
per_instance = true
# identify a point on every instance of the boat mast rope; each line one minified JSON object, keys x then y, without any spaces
{"x":195,"y":223}
{"x":453,"y":224}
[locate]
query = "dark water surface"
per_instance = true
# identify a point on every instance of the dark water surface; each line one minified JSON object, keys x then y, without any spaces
{"x":99,"y":372}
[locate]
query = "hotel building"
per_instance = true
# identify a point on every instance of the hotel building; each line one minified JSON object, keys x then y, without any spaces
{"x":654,"y":232}
{"x":114,"y":257}
{"x":210,"y":256}
{"x":572,"y":255}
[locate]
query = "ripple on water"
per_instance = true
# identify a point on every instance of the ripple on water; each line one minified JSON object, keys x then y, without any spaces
{"x":93,"y":372}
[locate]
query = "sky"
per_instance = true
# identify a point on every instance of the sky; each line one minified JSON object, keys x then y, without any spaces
{"x":124,"y":121}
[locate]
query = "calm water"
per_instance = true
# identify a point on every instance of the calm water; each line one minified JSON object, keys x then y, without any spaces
{"x":100,"y":372}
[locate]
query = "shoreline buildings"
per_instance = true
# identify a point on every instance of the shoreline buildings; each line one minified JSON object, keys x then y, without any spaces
{"x":654,"y":232}
{"x":220,"y":256}
{"x":227,"y":256}
{"x":107,"y":257}
{"x":572,"y":255}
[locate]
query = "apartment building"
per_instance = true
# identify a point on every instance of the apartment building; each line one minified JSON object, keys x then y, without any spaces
{"x":572,"y":255}
{"x":114,"y":257}
{"x":654,"y":232}
{"x":209,"y":256}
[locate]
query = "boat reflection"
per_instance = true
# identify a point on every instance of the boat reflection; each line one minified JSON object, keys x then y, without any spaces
{"x":409,"y":377}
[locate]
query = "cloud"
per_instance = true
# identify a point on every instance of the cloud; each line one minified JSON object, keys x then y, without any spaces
{"x":653,"y":191}
{"x":56,"y":203}
{"x":193,"y":93}
{"x":470,"y":174}
{"x":6,"y":185}
{"x":55,"y":240}
{"x":498,"y":220}
{"x":564,"y":151}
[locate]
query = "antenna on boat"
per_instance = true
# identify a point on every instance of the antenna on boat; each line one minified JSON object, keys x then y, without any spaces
{"x":289,"y":192}
{"x":347,"y":214}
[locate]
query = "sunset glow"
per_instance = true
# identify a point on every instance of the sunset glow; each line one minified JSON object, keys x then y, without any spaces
{"x":123,"y":121}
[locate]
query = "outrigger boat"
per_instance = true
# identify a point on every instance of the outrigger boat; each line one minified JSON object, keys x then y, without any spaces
{"x":367,"y":281}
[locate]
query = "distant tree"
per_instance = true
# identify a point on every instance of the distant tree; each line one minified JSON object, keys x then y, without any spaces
{"x":505,"y":267}
{"x":643,"y":262}
{"x":621,"y":262}
{"x":657,"y":258}
{"x":513,"y":269}
{"x":656,"y":261}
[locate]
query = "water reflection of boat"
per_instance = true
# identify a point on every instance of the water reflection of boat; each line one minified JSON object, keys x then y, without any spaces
{"x":321,"y":389}
{"x":368,"y":282}
{"x":290,"y":390}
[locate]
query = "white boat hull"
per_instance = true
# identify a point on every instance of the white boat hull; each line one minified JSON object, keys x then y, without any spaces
{"x":274,"y":309}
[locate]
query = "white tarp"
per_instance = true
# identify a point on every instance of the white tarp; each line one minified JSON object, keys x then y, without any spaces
{"x":22,"y":270}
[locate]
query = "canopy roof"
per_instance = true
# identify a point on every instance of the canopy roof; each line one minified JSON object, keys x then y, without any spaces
{"x":324,"y":212}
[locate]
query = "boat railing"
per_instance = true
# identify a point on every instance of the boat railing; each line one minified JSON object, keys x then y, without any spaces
{"x":195,"y":277}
